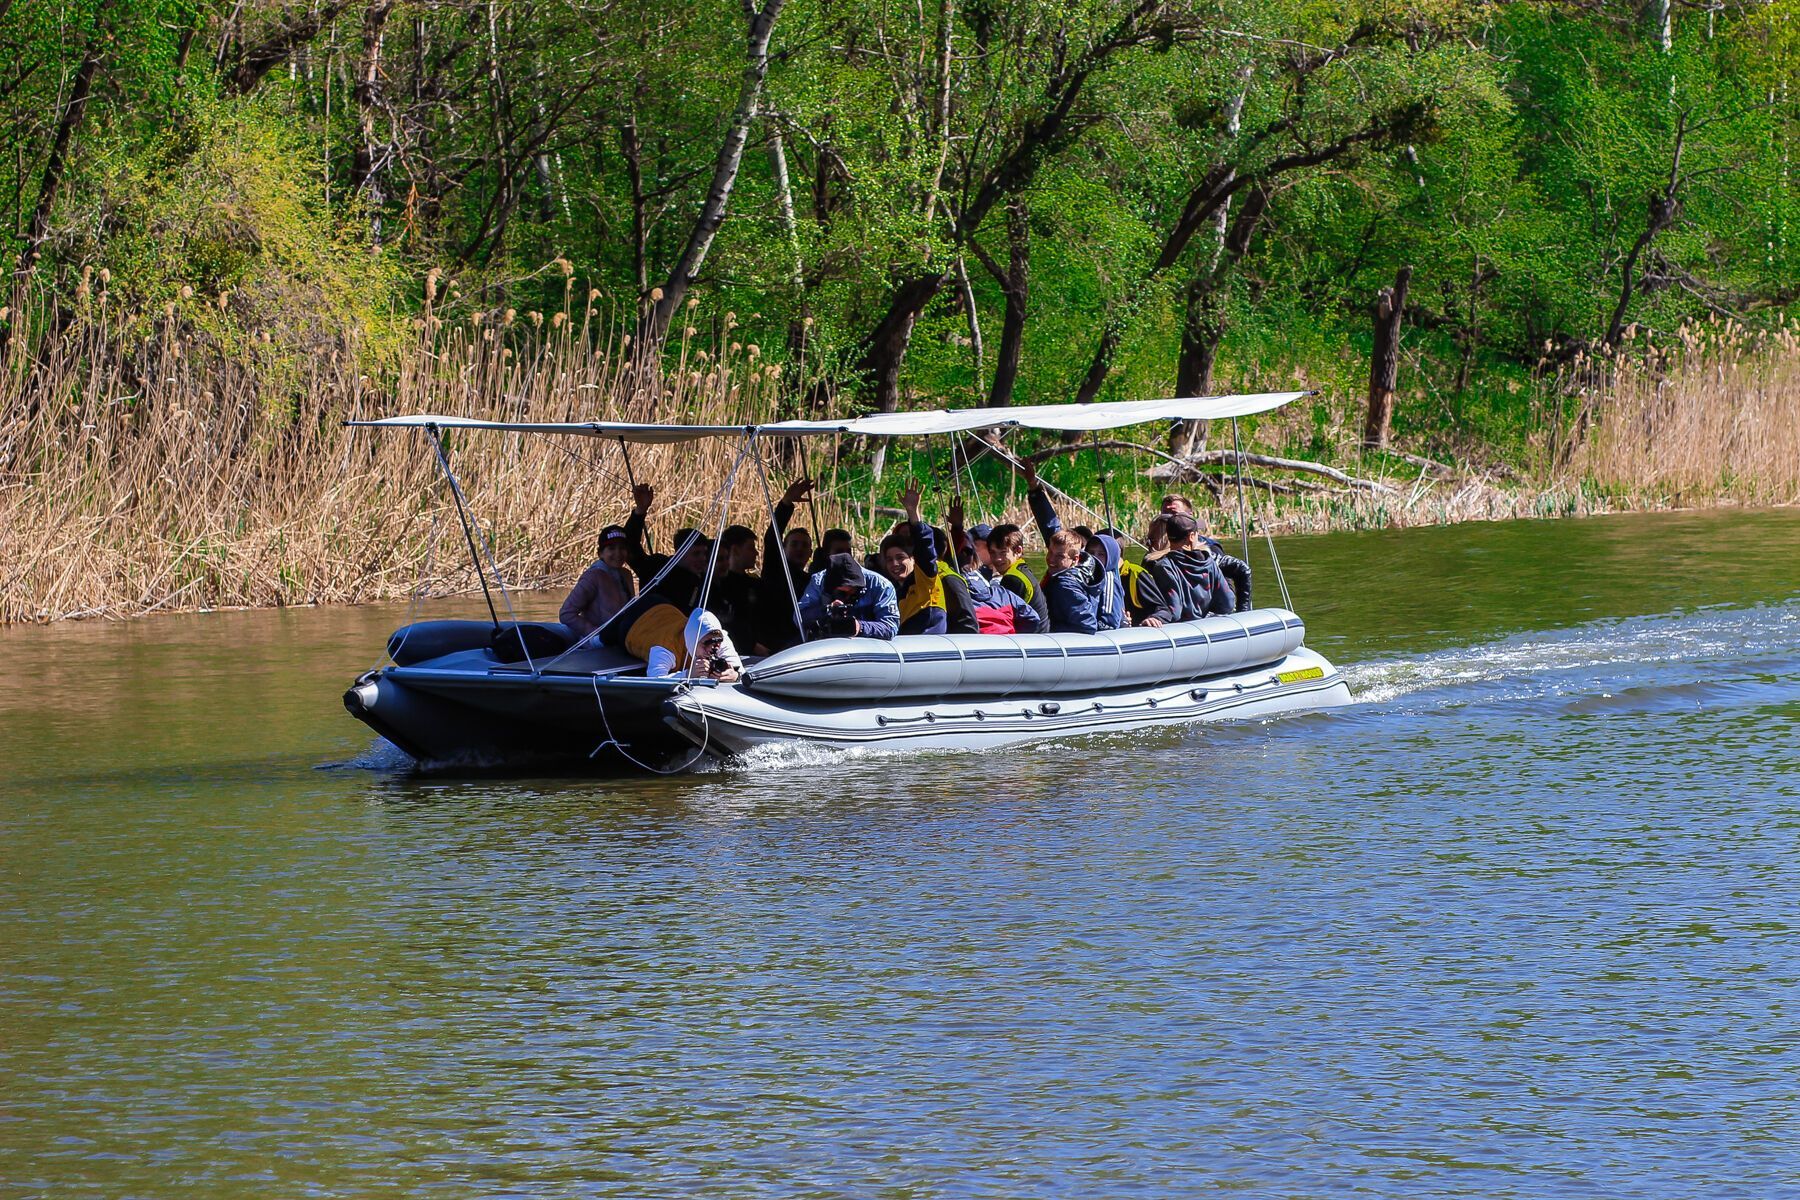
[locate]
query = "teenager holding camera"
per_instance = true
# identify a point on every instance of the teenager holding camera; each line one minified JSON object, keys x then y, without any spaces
{"x":844,"y":600}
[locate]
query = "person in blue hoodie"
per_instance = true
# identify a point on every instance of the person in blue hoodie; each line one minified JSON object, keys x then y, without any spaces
{"x":1104,"y":550}
{"x":844,"y":600}
{"x":1073,"y":584}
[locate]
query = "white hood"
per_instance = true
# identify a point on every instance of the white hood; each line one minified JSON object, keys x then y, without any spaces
{"x":701,"y":623}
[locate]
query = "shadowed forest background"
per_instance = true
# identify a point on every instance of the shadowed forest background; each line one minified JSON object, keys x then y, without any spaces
{"x":234,"y":223}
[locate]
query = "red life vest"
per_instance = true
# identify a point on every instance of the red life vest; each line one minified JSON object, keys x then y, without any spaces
{"x":995,"y":620}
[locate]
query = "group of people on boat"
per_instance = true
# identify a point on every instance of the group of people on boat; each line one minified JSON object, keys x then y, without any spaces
{"x":689,"y":611}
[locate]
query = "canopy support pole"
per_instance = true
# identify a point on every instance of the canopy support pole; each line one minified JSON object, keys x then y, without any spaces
{"x":631,"y":479}
{"x":787,"y":576}
{"x":1105,"y":477}
{"x":724,"y":503}
{"x":462,"y":514}
{"x":1237,"y":452}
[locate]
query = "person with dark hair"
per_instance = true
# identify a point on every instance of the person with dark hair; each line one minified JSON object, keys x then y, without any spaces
{"x":996,"y":609}
{"x":735,"y":587}
{"x":959,"y":606}
{"x":1189,"y":581}
{"x":603,"y":589}
{"x":1102,"y":549}
{"x":1006,"y":550}
{"x":786,"y":550}
{"x":1074,"y":581}
{"x":843,"y":600}
{"x":909,"y":558}
{"x":692,"y":551}
{"x":832,"y":543}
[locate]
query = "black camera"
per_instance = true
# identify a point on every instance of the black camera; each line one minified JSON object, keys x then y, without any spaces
{"x":840,"y":620}
{"x":719,"y":665}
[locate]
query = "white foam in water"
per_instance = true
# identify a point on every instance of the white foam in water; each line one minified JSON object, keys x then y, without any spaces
{"x":382,"y":755}
{"x":1533,"y":661}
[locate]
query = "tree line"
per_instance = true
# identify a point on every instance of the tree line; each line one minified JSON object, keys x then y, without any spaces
{"x":987,"y":201}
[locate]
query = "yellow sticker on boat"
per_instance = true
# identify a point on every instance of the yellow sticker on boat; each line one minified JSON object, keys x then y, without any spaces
{"x":1297,"y":676}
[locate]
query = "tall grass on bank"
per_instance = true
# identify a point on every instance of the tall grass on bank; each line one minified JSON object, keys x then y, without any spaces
{"x":1713,"y":416}
{"x":173,"y":459}
{"x":145,"y":464}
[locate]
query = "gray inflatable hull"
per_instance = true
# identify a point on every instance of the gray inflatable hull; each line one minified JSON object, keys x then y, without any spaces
{"x":730,"y":719}
{"x":1030,"y":664}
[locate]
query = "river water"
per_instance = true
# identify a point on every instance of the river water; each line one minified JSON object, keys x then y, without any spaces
{"x":1522,"y":922}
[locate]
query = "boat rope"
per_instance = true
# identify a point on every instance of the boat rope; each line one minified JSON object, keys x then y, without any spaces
{"x":1053,"y":489}
{"x":487,"y":545}
{"x":634,"y":760}
{"x":1280,"y":580}
{"x":780,"y":546}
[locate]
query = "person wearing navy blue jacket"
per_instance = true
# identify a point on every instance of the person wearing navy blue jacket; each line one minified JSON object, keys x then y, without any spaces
{"x":1073,"y":584}
{"x":869,"y":598}
{"x":1111,"y":603}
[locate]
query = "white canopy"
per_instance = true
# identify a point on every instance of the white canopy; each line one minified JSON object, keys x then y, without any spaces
{"x":1069,"y":417}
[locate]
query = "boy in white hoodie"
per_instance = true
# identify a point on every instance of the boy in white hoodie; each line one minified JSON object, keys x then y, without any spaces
{"x":707,"y":652}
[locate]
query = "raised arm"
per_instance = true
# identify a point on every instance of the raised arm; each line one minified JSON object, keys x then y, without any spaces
{"x":1041,"y":509}
{"x":641,"y":498}
{"x":797,"y":491}
{"x":925,"y":552}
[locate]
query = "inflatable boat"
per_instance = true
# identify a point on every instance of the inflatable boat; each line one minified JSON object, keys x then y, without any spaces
{"x":512,"y":694}
{"x":450,"y":701}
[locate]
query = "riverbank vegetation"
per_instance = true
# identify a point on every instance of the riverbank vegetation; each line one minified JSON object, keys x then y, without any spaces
{"x":1535,"y":260}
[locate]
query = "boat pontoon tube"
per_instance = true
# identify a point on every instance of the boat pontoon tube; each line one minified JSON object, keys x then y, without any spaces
{"x":868,"y":669}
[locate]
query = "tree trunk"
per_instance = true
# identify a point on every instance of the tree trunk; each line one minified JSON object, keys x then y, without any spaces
{"x":57,"y":165}
{"x":1015,"y":287}
{"x":1664,"y":209}
{"x":257,"y":60}
{"x":655,"y":325}
{"x":1384,"y":363}
{"x":886,"y":344}
{"x":366,"y":164}
{"x":1203,"y":316}
{"x":632,"y":151}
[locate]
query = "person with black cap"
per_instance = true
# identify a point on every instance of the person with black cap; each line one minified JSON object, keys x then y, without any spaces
{"x":844,"y":600}
{"x":1189,"y":581}
{"x":603,"y":589}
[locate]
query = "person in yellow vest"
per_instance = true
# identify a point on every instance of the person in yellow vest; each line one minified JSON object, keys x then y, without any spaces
{"x":911,"y":561}
{"x":1006,"y":551}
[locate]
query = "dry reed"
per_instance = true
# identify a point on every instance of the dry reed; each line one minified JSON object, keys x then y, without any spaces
{"x":147,"y":465}
{"x":149,"y":470}
{"x":1714,"y":416}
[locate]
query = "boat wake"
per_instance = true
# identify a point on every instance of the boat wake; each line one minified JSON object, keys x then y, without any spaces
{"x":381,"y":755}
{"x":1667,"y":660}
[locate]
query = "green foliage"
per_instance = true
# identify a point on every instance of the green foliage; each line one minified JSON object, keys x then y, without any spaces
{"x":1507,"y":152}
